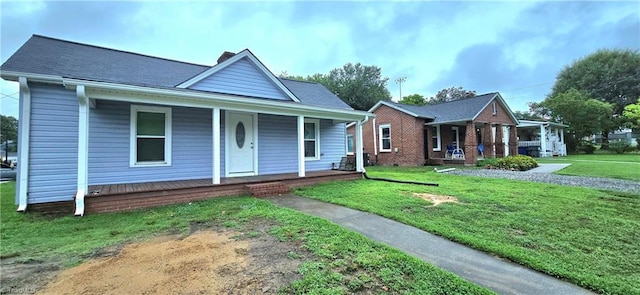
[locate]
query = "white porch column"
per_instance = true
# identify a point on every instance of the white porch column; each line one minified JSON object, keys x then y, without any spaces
{"x":215,"y":124}
{"x":359,"y":151}
{"x":561,"y":134}
{"x":301,"y":164}
{"x":543,"y":141}
{"x":83,"y":141}
{"x":23,"y":144}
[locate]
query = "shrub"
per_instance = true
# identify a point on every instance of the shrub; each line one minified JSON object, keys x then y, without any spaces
{"x":620,"y":147}
{"x":487,"y":162}
{"x":586,"y":147}
{"x":519,"y":162}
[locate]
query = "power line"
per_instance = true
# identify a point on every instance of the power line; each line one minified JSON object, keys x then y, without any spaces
{"x":9,"y":95}
{"x":531,"y":86}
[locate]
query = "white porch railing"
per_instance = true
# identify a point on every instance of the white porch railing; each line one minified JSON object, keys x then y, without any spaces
{"x":553,"y":148}
{"x":527,"y":143}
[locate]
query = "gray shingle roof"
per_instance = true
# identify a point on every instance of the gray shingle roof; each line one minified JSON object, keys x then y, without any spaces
{"x":44,"y":55}
{"x":315,"y":94}
{"x":458,"y":110}
{"x":50,"y":56}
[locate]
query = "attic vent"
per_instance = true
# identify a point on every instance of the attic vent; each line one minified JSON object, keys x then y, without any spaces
{"x":226,"y":55}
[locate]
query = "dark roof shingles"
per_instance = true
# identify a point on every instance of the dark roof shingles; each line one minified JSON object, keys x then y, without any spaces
{"x":458,"y":110}
{"x":314,"y":94}
{"x":44,"y":55}
{"x":49,"y":56}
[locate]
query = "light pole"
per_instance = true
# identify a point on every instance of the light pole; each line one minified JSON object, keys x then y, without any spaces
{"x":399,"y":81}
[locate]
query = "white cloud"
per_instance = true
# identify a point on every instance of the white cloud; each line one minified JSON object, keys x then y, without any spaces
{"x":431,"y":43}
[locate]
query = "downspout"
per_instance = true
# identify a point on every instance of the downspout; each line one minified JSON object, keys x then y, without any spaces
{"x":23,"y":144}
{"x":83,"y":149}
{"x":375,"y":141}
{"x":301,"y":163}
{"x":360,"y":150}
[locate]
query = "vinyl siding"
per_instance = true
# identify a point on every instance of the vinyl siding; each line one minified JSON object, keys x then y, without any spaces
{"x":277,"y":144}
{"x":332,"y":146}
{"x":278,"y":147}
{"x":109,"y":146}
{"x":241,"y":78}
{"x":53,"y":146}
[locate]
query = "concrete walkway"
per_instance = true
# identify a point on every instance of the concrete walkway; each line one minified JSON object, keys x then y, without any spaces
{"x":547,"y":168}
{"x":481,"y":268}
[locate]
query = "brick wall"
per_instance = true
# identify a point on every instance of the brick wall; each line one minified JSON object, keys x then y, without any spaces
{"x":406,"y":135}
{"x":501,"y":117}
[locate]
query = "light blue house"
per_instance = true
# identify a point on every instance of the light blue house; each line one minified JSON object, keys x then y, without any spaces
{"x":94,"y":116}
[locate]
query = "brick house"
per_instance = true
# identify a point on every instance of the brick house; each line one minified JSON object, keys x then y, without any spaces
{"x":457,"y":132}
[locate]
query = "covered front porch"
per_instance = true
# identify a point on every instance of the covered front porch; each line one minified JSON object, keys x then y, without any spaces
{"x":466,"y":142}
{"x":206,"y":150}
{"x":541,"y":139}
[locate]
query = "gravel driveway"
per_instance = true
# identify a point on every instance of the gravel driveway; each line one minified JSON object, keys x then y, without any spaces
{"x":590,"y":182}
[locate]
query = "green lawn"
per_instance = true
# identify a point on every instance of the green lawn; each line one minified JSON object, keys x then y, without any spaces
{"x":343,"y":262}
{"x":625,"y":166}
{"x":585,"y":236}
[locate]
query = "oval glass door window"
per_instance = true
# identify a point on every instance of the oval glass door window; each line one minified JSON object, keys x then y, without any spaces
{"x":240,"y":135}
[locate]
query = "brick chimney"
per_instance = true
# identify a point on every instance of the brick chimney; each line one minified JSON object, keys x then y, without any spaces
{"x":226,"y":55}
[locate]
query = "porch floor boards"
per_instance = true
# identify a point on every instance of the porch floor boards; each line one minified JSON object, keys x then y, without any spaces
{"x":127,"y":188}
{"x":129,"y":196}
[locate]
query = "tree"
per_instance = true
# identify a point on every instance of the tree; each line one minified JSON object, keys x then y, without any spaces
{"x":8,"y":131}
{"x":632,"y":113}
{"x":414,"y":99}
{"x":584,"y":115}
{"x":451,"y":94}
{"x":610,"y":76}
{"x":358,"y":85}
{"x":522,"y":115}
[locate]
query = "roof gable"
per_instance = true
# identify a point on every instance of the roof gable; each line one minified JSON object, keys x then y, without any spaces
{"x":241,"y":74}
{"x":411,"y":110}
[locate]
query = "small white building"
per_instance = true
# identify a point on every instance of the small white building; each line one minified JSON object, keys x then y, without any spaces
{"x":541,"y":138}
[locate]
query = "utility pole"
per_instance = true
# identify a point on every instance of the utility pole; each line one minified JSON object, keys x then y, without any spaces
{"x":399,"y":81}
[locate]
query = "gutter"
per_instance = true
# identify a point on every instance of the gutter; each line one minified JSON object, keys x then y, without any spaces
{"x":196,"y":99}
{"x":202,"y":99}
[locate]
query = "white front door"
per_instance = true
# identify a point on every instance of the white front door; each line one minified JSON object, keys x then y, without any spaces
{"x":241,"y":144}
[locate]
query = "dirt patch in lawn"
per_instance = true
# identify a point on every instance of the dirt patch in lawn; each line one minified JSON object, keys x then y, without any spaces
{"x":204,"y":262}
{"x":436,"y":199}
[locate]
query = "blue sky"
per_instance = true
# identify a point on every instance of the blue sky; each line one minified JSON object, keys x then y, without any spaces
{"x":514,"y":47}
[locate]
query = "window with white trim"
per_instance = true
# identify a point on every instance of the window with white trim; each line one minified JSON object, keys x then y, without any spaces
{"x":311,"y":139}
{"x":495,"y":108}
{"x":435,"y":138}
{"x":349,"y":144}
{"x":150,"y":143}
{"x":385,"y":137}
